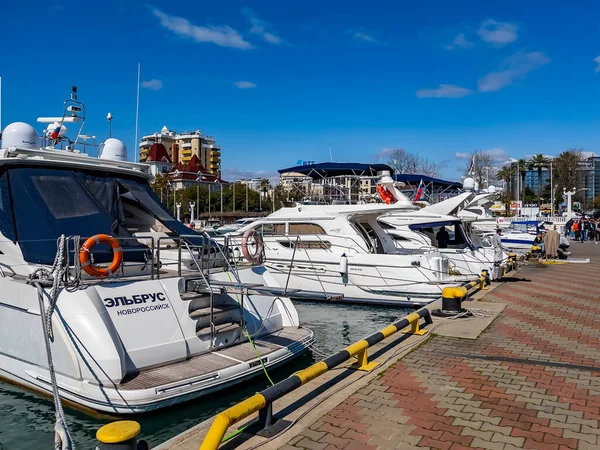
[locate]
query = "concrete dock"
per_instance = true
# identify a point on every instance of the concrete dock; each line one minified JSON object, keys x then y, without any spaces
{"x":523,"y":373}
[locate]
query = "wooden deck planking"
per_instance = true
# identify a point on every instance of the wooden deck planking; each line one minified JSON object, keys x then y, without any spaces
{"x":208,"y":363}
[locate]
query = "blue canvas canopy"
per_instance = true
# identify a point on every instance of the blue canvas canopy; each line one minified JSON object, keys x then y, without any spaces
{"x":335,"y":169}
{"x":38,"y":204}
{"x":416,"y":179}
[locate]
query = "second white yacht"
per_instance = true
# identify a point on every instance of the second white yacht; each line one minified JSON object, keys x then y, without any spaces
{"x":344,"y":253}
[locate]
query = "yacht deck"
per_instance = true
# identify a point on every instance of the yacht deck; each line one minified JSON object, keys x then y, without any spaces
{"x":210,"y":363}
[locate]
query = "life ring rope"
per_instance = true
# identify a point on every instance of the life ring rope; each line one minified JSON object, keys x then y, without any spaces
{"x":85,"y":255}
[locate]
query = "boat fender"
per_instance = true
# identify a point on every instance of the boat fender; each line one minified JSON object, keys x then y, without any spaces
{"x":344,"y":264}
{"x":85,"y":254}
{"x":252,"y":255}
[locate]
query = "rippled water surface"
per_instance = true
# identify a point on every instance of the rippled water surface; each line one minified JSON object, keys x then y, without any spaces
{"x":27,"y":420}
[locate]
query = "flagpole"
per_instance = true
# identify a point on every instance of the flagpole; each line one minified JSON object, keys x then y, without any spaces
{"x":137,"y":115}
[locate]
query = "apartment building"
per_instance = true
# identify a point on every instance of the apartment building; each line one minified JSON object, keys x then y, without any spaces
{"x":181,"y":147}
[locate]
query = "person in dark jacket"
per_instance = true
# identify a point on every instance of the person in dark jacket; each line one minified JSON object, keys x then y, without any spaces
{"x":568,"y":226}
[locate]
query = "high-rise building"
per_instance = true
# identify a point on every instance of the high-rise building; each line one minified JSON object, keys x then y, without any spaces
{"x":180,"y":148}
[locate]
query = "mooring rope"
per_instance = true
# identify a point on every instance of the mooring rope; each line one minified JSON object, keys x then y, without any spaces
{"x":42,"y":279}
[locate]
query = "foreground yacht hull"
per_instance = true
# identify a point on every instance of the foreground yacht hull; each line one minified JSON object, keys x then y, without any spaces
{"x":135,"y":399}
{"x":116,"y":353}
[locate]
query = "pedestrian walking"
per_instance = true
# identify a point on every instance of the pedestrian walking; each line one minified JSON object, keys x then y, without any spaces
{"x":568,"y":226}
{"x":497,"y":245}
{"x":576,"y":229}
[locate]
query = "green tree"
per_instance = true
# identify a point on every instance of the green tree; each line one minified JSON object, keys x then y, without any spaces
{"x":597,"y":202}
{"x":505,"y":174}
{"x":529,"y":195}
{"x":161,"y":182}
{"x":539,"y":162}
{"x":565,"y":169}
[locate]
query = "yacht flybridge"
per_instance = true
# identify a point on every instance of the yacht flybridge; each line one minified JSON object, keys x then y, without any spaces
{"x":131,"y":325}
{"x":344,"y":252}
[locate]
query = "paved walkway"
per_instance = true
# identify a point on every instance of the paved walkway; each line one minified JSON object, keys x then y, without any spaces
{"x":531,"y":380}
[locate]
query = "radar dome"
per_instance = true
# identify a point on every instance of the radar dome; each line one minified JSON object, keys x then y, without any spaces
{"x":113,"y":149}
{"x":492,"y":189}
{"x":468,"y":184}
{"x":22,"y":135}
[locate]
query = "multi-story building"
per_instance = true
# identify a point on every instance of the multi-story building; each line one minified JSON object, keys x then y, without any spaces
{"x":531,"y":179}
{"x":252,"y":183}
{"x":181,"y":147}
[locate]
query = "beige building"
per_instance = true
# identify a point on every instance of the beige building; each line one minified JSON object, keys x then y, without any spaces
{"x":181,"y":147}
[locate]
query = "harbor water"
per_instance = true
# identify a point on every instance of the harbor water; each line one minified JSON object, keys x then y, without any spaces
{"x":27,"y":419}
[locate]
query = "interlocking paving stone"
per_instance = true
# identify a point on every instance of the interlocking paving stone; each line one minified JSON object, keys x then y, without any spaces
{"x":532,"y":380}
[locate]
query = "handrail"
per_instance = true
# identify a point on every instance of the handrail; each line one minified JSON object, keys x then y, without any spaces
{"x":262,"y":401}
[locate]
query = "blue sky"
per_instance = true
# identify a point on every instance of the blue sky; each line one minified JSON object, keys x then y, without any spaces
{"x":277,"y":81}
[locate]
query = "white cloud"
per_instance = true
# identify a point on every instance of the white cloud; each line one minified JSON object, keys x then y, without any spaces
{"x":360,"y":34}
{"x":460,"y":41}
{"x":514,"y":68}
{"x":498,"y":155}
{"x":497,"y":33}
{"x":259,"y":27}
{"x":461,"y":155}
{"x":444,"y":91}
{"x":245,"y":84}
{"x":597,"y":61}
{"x":153,"y":84}
{"x":230,"y":174}
{"x":221,"y":35}
{"x":384,"y":154}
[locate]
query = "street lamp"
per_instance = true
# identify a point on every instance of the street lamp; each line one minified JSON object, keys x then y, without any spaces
{"x":178,"y":207}
{"x":109,"y":117}
{"x":192,"y":206}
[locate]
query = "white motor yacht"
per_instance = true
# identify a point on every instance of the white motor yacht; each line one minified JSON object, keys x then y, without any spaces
{"x":149,"y":334}
{"x":466,"y":252}
{"x":240,"y":223}
{"x":344,"y":253}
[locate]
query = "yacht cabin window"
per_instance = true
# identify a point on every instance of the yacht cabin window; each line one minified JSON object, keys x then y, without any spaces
{"x":271,"y":229}
{"x":457,"y":238}
{"x":305,"y":228}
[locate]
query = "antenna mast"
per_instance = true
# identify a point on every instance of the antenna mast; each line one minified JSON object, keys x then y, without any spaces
{"x":0,"y":107}
{"x":137,"y":116}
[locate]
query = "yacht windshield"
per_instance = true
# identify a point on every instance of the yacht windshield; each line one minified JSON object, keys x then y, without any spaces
{"x":455,"y":238}
{"x":47,"y":202}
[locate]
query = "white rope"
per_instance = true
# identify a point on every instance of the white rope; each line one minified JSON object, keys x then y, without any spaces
{"x":43,"y":278}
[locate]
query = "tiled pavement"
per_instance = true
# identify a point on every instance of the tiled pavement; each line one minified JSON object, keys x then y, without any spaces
{"x":530,"y":381}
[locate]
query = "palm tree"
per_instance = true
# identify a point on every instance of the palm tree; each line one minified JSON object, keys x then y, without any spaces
{"x":538,"y":162}
{"x":505,"y":174}
{"x":265,"y":186}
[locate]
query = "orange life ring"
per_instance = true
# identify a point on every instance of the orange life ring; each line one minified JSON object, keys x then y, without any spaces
{"x":85,"y":254}
{"x":385,"y":195}
{"x":255,"y":256}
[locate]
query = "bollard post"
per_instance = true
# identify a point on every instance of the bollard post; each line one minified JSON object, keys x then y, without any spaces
{"x":267,"y":426}
{"x":452,"y":303}
{"x":121,"y":435}
{"x":483,"y":280}
{"x":363,"y":363}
